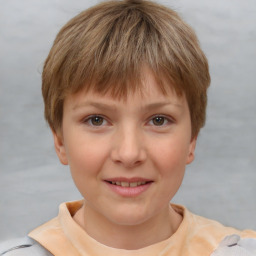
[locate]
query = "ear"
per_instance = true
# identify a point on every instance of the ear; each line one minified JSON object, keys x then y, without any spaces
{"x":60,"y":147}
{"x":191,"y":152}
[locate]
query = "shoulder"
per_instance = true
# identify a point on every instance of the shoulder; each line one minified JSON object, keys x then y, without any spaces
{"x":216,"y":229}
{"x":219,"y":239}
{"x":22,"y":247}
{"x":228,"y":241}
{"x":235,"y":245}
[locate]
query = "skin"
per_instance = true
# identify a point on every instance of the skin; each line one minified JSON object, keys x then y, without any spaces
{"x":145,"y":137}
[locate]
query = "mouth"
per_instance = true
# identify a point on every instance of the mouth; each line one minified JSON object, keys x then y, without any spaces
{"x":128,"y":187}
{"x":128,"y":184}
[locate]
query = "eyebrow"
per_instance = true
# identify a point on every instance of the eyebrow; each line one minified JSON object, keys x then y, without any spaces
{"x":112,"y":107}
{"x":98,"y":105}
{"x":161,"y":104}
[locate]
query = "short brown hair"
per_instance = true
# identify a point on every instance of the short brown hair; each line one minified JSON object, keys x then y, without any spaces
{"x":104,"y":49}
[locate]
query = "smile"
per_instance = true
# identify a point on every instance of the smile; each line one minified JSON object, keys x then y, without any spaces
{"x":128,"y":184}
{"x":128,"y":187}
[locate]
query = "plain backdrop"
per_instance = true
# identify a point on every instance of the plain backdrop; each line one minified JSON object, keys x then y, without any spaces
{"x":220,"y":184}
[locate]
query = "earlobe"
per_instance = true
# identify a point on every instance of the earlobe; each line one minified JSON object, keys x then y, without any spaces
{"x":191,"y":153}
{"x":59,"y":147}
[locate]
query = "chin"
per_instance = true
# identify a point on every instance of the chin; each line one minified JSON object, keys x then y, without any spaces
{"x":129,"y":217}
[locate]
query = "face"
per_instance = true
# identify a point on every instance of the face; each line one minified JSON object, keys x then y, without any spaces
{"x":127,"y":158}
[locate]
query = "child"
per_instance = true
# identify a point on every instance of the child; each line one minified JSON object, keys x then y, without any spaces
{"x":124,"y":88}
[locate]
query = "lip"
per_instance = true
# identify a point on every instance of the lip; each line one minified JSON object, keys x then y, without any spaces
{"x":128,"y":191}
{"x":130,"y":180}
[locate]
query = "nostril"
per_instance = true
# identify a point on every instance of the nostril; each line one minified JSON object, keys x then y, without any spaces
{"x":128,"y":151}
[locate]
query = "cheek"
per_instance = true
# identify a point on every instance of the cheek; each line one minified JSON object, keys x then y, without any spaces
{"x":86,"y":156}
{"x":170,"y":155}
{"x":171,"y":165}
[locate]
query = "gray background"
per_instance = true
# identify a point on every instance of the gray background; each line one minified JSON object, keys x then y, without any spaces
{"x":220,"y":184}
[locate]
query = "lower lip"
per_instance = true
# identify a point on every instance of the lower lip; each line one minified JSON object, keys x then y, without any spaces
{"x":129,"y":191}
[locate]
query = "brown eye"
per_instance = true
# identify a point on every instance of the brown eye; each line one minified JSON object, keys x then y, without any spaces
{"x":158,"y":120}
{"x":96,"y":120}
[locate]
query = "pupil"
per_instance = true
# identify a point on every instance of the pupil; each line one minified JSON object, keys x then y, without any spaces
{"x":158,"y":121}
{"x":97,"y":120}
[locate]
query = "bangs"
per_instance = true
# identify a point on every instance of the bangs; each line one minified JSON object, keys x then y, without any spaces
{"x":110,"y":57}
{"x":106,"y":49}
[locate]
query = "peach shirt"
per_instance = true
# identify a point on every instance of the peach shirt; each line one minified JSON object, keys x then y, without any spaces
{"x":195,"y":236}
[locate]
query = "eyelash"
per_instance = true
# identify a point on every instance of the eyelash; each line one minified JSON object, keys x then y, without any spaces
{"x":166,"y":121}
{"x":89,"y":119}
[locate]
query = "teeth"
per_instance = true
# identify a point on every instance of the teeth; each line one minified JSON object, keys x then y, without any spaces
{"x":133,"y":184}
{"x":124,"y":184}
{"x":127,"y":184}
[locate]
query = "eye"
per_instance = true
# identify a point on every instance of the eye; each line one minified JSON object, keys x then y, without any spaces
{"x":96,"y":120}
{"x":159,"y":121}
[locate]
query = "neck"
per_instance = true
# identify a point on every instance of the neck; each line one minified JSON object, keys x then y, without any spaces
{"x":152,"y":231}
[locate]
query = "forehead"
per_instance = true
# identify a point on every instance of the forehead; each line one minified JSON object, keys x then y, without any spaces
{"x":148,"y":92}
{"x":146,"y":84}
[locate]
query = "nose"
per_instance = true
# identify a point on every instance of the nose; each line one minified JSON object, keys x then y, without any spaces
{"x":129,"y":149}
